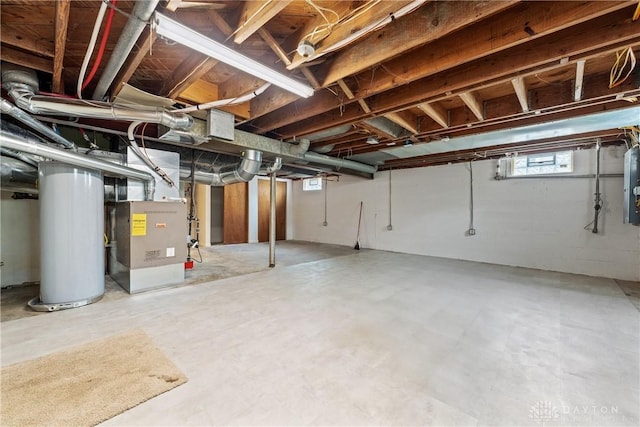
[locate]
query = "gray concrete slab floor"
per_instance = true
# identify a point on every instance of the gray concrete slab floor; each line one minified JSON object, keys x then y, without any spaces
{"x":374,"y":338}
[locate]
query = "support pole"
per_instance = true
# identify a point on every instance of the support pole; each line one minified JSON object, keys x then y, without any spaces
{"x":272,"y":222}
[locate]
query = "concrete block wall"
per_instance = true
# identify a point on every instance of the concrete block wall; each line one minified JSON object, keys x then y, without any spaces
{"x":536,"y":223}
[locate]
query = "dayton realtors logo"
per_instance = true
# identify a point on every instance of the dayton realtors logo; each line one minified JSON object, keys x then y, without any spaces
{"x":543,"y":412}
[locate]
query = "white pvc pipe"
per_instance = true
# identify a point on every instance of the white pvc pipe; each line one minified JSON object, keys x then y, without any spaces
{"x":92,"y":45}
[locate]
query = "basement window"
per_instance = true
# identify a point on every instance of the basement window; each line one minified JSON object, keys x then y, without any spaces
{"x":312,"y":184}
{"x":543,"y":163}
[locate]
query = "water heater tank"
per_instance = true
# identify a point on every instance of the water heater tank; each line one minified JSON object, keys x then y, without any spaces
{"x":71,"y":230}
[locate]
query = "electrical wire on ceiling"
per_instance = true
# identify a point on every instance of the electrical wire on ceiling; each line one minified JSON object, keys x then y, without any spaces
{"x":101,"y":48}
{"x":92,"y":45}
{"x":229,"y":101}
{"x":328,"y":26}
{"x":624,"y":58}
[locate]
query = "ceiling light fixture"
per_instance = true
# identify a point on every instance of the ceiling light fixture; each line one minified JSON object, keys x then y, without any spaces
{"x":167,"y":27}
{"x":372,"y":140}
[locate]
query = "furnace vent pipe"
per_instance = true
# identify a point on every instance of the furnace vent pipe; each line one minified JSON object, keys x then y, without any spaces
{"x":140,"y":16}
{"x":111,"y":169}
{"x":35,"y":124}
{"x":248,"y":167}
{"x":17,"y":175}
{"x":48,"y":105}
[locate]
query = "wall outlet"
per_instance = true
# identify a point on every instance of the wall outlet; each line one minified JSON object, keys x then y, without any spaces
{"x":325,"y":223}
{"x":389,"y":227}
{"x":471,"y":232}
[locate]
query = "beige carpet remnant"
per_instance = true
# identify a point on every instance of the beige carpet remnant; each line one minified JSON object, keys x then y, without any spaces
{"x":87,"y":384}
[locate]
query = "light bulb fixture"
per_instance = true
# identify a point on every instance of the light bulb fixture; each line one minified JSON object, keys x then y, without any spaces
{"x":179,"y":33}
{"x":306,"y":49}
{"x":372,"y":140}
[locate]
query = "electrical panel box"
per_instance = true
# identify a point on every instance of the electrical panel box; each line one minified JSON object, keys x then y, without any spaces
{"x":631,"y":200}
{"x":150,"y":244}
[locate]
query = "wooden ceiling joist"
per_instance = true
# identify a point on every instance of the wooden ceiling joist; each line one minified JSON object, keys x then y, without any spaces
{"x":480,"y":40}
{"x":146,"y":41}
{"x":577,"y":87}
{"x":255,"y":14}
{"x":19,"y":57}
{"x":431,"y":21}
{"x":405,"y":119}
{"x":12,"y":36}
{"x":520,"y":88}
{"x":468,"y":45}
{"x":344,"y":30}
{"x":473,"y":103}
{"x":591,"y":39}
{"x":436,"y":112}
{"x":61,"y":25}
{"x":277,"y":49}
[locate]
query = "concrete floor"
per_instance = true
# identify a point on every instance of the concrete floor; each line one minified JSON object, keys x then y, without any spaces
{"x":375,"y":338}
{"x":219,"y":262}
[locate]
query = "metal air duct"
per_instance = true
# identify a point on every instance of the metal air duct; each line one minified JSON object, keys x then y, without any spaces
{"x":17,"y":176}
{"x":111,"y":169}
{"x":138,"y":19}
{"x":248,"y":167}
{"x":34,"y":124}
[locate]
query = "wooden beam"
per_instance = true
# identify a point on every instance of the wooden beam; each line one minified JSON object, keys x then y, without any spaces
{"x":13,"y":36}
{"x":405,"y":119}
{"x":220,"y":22}
{"x":521,"y":92}
{"x":344,"y":30}
{"x":19,"y":57}
{"x":146,"y":40}
{"x":481,"y":40}
{"x":347,"y":91}
{"x":277,"y":49}
{"x":61,"y":25}
{"x":187,"y":73}
{"x":436,"y":112}
{"x":473,"y":103}
{"x":589,"y":39}
{"x":255,"y":14}
{"x":577,"y":88}
{"x":432,"y":21}
{"x":469,"y":45}
{"x":173,"y":5}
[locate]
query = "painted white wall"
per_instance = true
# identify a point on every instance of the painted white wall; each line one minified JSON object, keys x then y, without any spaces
{"x":536,"y":223}
{"x":19,"y":240}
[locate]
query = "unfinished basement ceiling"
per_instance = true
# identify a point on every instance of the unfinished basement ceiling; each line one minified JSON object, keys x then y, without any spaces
{"x":393,"y":72}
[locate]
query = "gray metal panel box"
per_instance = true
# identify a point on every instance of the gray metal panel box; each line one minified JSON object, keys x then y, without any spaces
{"x":220,"y":124}
{"x":167,"y":160}
{"x":631,"y":200}
{"x":150,"y":247}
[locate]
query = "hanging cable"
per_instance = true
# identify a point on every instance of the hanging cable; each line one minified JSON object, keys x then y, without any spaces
{"x":229,"y":101}
{"x":92,"y":45}
{"x":101,"y":48}
{"x":615,"y":77}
